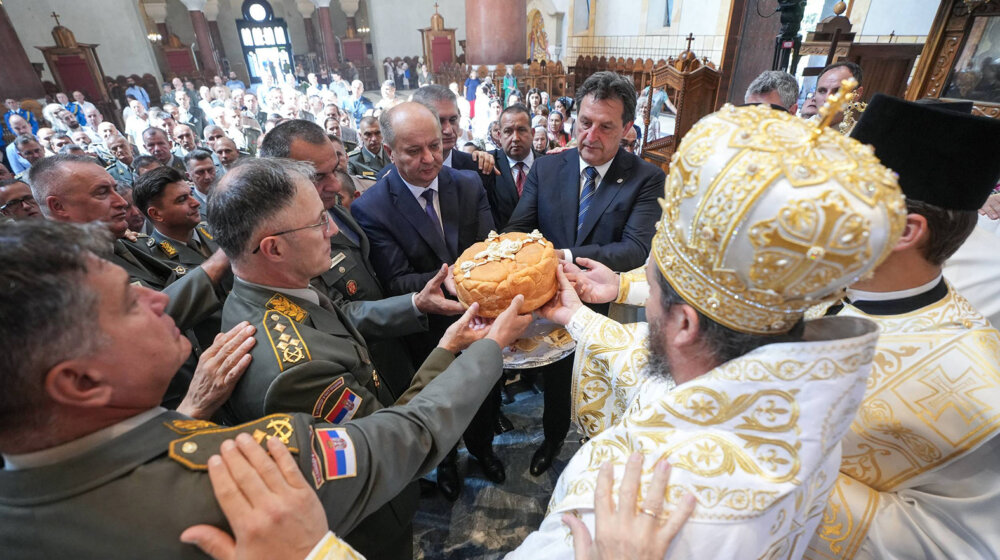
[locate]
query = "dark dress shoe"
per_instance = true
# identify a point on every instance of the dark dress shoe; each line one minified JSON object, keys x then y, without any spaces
{"x":542,"y":459}
{"x":503,"y":424}
{"x":492,"y":468}
{"x":449,"y":482}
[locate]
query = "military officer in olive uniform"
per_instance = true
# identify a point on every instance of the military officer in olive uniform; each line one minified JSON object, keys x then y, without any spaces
{"x":87,"y":476}
{"x":369,"y":158}
{"x":350,"y":276}
{"x":311,"y":355}
{"x":75,"y":189}
{"x":121,"y":168}
{"x":121,"y":172}
{"x":179,"y":237}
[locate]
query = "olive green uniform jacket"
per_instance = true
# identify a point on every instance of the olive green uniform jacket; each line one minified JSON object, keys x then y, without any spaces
{"x":132,"y":497}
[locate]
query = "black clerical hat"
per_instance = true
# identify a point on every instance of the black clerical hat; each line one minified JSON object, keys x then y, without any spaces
{"x":943,"y":157}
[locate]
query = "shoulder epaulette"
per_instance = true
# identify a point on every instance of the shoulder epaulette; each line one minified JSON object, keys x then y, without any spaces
{"x":286,"y":342}
{"x":203,"y":441}
{"x":204,"y":231}
{"x":354,"y":152}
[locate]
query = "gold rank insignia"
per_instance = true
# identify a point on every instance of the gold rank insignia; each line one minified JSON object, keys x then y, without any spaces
{"x":285,"y":306}
{"x":168,"y":249}
{"x":204,"y":231}
{"x":193,"y":450}
{"x":285,"y":340}
{"x":185,"y":427}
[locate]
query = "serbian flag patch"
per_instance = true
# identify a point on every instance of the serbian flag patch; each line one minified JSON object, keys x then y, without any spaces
{"x":338,"y":453}
{"x":344,"y":408}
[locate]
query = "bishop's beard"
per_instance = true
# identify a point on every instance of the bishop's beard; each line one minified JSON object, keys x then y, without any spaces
{"x":658,"y":365}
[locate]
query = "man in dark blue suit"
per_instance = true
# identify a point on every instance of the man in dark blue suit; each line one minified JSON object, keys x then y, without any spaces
{"x":418,"y":217}
{"x":513,"y":162}
{"x":596,"y":201}
{"x":443,"y":101}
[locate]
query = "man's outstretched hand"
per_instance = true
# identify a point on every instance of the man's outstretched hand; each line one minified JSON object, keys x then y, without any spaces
{"x":486,"y":162}
{"x":563,"y":305}
{"x":219,"y":368}
{"x":594,"y":282}
{"x":509,"y":325}
{"x":466,"y":330}
{"x":273,"y":511}
{"x":431,"y":299}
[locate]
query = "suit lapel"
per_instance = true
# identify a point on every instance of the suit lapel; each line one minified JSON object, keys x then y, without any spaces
{"x":448,"y":199}
{"x":609,"y":188}
{"x":411,"y":211}
{"x":505,"y":184}
{"x":345,"y":217}
{"x":569,"y":195}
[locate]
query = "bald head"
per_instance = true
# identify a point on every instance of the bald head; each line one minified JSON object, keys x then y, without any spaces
{"x":412,"y":135}
{"x":19,"y":126}
{"x":226,"y":151}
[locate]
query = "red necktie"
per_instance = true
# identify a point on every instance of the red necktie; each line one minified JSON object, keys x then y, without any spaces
{"x":520,"y":177}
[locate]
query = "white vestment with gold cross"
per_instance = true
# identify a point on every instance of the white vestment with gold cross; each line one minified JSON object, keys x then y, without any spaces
{"x":920,"y":475}
{"x":755,"y":439}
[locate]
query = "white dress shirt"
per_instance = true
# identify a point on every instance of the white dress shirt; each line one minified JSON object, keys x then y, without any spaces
{"x":528,"y":162}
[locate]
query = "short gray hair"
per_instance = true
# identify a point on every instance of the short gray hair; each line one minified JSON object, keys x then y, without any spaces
{"x":50,"y":313}
{"x":385,"y":122}
{"x":247,"y":199}
{"x":775,"y":80}
{"x":430,"y":95}
{"x":47,"y":174}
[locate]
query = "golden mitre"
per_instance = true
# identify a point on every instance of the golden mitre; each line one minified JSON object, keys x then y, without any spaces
{"x":766,"y":215}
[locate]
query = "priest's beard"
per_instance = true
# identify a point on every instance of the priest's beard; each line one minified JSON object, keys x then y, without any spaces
{"x":658,"y":365}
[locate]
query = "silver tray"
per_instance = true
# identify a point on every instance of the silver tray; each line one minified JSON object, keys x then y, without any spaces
{"x":543,"y":343}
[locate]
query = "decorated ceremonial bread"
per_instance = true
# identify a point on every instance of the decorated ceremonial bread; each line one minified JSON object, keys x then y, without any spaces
{"x":492,"y":272}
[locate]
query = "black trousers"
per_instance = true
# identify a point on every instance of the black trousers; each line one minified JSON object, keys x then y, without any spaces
{"x":558,"y":379}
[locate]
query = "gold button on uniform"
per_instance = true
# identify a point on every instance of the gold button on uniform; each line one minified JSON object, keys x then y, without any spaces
{"x":189,"y":447}
{"x":342,"y":270}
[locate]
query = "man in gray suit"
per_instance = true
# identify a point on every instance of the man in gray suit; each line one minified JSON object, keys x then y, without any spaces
{"x":84,"y":440}
{"x":311,"y":353}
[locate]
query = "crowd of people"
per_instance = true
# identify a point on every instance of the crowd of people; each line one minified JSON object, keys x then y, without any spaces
{"x":233,"y":325}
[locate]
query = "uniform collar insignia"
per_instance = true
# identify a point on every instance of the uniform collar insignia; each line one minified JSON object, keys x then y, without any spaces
{"x":168,"y":248}
{"x":285,"y":306}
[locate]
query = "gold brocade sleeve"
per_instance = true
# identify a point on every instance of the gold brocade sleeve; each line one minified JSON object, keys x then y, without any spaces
{"x":633,"y":289}
{"x":848,"y":515}
{"x":332,"y":548}
{"x":606,"y":372}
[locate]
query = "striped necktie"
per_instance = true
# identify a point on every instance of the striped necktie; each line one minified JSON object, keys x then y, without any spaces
{"x":589,"y":188}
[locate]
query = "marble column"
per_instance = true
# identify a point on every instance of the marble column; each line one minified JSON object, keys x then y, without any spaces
{"x":212,"y":15}
{"x":307,"y":9}
{"x":203,"y":36}
{"x":17,"y":77}
{"x":496,"y":31}
{"x":326,"y":30}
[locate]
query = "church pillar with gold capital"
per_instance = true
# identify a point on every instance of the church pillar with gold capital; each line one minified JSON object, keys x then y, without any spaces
{"x":203,"y":35}
{"x":496,"y":31}
{"x":18,"y":78}
{"x":326,"y":30}
{"x":212,"y":15}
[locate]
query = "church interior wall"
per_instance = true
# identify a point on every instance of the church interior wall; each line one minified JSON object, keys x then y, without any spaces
{"x":395,"y":30}
{"x":116,"y":26}
{"x":634,"y":28}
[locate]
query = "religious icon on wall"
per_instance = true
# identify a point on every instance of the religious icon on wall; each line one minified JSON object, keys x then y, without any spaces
{"x":538,"y":40}
{"x":976,"y":75}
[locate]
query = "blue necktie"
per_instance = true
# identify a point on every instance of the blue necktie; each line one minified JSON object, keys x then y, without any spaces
{"x":589,"y":188}
{"x":428,"y":195}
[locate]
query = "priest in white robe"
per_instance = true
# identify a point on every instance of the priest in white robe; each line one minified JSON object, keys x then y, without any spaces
{"x":745,"y":399}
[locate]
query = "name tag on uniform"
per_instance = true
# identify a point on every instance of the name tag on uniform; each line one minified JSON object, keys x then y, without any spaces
{"x":335,"y":260}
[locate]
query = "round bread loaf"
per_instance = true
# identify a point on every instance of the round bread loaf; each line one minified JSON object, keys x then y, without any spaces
{"x":492,"y":272}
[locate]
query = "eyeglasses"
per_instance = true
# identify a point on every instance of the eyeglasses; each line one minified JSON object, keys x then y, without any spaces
{"x":626,"y":144}
{"x":324,"y":222}
{"x":25,"y":200}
